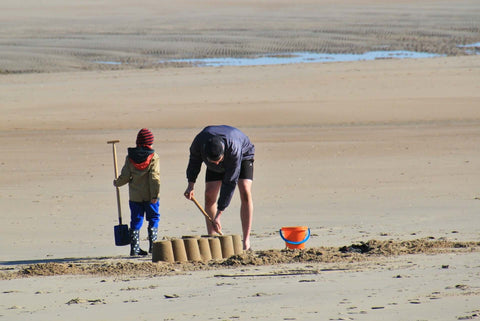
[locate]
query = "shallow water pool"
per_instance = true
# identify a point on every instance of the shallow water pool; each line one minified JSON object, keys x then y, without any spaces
{"x":303,"y":57}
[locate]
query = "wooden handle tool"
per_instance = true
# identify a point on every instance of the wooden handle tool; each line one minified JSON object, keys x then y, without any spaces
{"x":115,"y":169}
{"x":203,"y":212}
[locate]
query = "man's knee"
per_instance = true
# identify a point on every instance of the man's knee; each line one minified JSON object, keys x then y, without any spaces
{"x":210,"y":198}
{"x":211,"y":192}
{"x":246,"y":197}
{"x":245,"y":189}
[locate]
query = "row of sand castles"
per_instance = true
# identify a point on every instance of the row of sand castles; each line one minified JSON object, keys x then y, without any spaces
{"x":197,"y":248}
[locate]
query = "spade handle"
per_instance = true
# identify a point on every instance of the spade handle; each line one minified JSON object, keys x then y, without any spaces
{"x":115,"y":168}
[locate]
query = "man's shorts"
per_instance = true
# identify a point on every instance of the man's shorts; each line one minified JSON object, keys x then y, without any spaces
{"x":246,"y":172}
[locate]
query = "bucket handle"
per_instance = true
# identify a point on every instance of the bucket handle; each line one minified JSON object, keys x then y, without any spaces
{"x":295,"y":243}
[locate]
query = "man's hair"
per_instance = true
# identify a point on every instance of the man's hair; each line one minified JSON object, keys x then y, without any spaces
{"x":214,"y":148}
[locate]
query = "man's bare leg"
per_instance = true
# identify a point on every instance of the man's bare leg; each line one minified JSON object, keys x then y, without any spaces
{"x":246,"y":209}
{"x":211,"y":194}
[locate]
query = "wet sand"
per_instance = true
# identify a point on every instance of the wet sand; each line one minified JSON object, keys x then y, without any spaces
{"x":59,"y":35}
{"x":383,"y":150}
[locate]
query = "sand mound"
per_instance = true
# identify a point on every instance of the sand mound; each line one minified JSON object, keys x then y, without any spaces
{"x":364,"y":251}
{"x":352,"y":253}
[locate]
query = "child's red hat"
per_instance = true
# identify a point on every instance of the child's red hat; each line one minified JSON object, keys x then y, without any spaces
{"x":144,"y":137}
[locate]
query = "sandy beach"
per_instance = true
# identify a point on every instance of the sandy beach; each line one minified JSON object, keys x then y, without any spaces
{"x":383,"y":151}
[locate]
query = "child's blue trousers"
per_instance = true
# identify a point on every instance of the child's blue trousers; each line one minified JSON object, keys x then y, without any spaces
{"x":139,"y":210}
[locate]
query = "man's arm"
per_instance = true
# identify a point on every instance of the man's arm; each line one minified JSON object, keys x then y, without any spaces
{"x":195,"y":161}
{"x":232,"y":164}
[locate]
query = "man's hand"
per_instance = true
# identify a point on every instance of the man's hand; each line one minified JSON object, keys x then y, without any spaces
{"x":217,"y":226}
{"x":189,"y":191}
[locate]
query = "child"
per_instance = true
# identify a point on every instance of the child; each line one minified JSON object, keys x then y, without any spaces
{"x":142,"y":173}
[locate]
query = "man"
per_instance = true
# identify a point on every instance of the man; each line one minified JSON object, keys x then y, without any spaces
{"x":228,"y":155}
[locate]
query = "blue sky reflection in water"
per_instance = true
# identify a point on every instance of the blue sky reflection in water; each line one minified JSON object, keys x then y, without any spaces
{"x":472,"y":49}
{"x":306,"y":57}
{"x":303,"y":57}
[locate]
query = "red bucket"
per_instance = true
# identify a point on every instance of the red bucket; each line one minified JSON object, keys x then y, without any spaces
{"x":295,"y":236}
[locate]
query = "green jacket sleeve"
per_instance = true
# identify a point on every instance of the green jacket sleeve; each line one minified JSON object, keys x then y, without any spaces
{"x":155,"y":178}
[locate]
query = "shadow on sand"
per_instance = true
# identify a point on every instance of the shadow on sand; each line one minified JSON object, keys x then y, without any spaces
{"x":61,"y":260}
